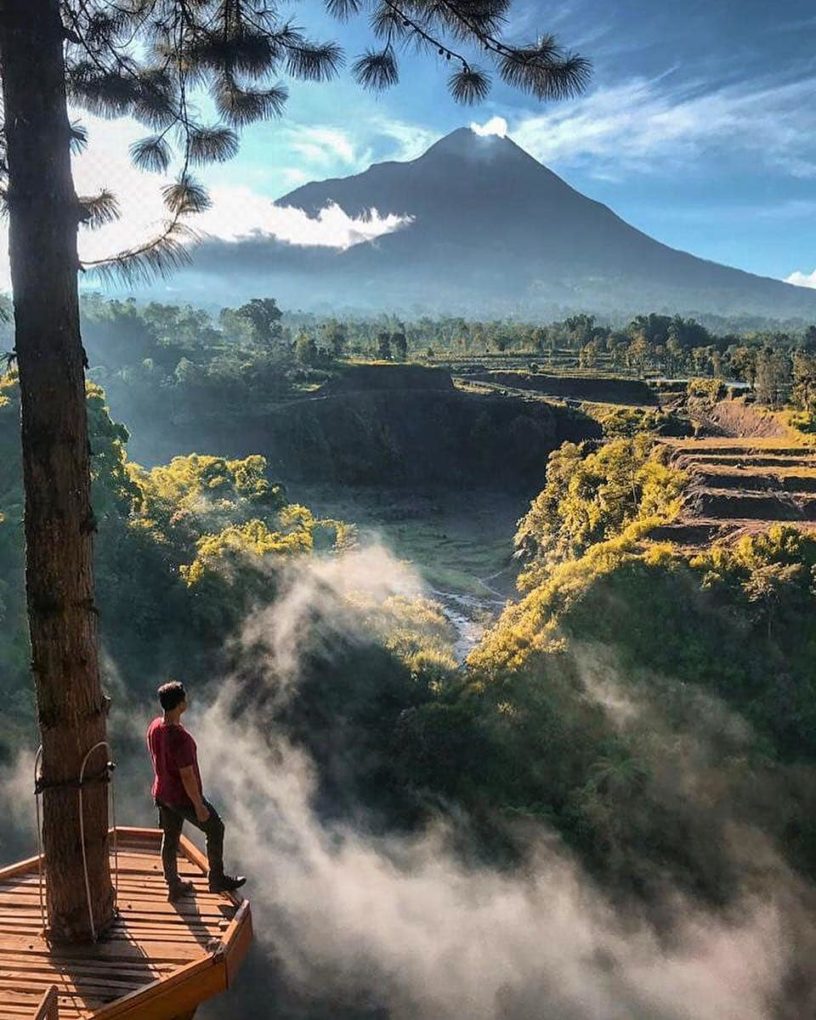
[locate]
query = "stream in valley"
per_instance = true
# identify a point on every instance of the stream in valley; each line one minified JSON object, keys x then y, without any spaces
{"x":460,"y":543}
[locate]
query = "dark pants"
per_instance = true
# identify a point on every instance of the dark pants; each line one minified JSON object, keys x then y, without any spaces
{"x":171,"y":820}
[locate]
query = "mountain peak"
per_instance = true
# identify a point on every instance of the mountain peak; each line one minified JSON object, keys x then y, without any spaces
{"x":466,"y":143}
{"x":487,"y":226}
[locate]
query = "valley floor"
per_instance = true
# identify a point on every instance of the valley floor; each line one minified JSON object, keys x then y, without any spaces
{"x":460,"y":543}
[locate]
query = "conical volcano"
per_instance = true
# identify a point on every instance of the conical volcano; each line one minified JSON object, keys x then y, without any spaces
{"x":491,"y":231}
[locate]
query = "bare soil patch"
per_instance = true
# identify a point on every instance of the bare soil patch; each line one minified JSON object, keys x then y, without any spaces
{"x":738,"y":418}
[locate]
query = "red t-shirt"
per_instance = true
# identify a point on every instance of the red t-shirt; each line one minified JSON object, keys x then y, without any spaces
{"x":171,"y":748}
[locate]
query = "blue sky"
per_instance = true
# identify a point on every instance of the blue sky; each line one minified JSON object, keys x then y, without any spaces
{"x":699,"y":126}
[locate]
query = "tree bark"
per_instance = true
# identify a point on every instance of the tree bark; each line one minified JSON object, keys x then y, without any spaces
{"x":43,"y":222}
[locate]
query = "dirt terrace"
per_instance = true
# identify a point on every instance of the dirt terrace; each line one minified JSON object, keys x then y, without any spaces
{"x":742,"y":486}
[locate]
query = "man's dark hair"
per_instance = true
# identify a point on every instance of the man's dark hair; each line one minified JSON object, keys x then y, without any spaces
{"x":171,"y":695}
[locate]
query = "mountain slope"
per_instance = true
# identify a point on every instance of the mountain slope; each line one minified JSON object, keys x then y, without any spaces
{"x":492,"y":230}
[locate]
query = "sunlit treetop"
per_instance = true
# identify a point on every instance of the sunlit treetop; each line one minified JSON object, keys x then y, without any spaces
{"x":155,"y":60}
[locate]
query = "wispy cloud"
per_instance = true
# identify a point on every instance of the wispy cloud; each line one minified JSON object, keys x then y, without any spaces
{"x":650,"y":125}
{"x":317,"y":150}
{"x":794,"y":210}
{"x":403,"y":140}
{"x":294,"y":175}
{"x":322,"y":146}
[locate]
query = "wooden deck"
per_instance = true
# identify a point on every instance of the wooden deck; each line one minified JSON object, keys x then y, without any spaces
{"x":159,"y":960}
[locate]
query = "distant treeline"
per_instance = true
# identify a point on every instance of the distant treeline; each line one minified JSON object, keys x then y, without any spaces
{"x":256,"y":351}
{"x":149,"y":355}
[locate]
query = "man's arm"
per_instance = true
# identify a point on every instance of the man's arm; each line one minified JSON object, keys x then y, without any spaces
{"x":191,"y":788}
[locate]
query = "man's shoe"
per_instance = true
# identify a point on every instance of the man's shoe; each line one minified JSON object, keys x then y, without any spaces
{"x":226,"y":883}
{"x":179,"y":891}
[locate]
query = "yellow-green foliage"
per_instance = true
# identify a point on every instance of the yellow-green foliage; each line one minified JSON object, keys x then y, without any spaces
{"x":774,"y":569}
{"x":11,"y":490}
{"x":620,"y":421}
{"x":113,"y":485}
{"x":198,"y":484}
{"x":801,"y":421}
{"x":767,"y":569}
{"x":251,"y":543}
{"x":707,"y":389}
{"x":662,"y":489}
{"x":781,"y":543}
{"x":739,"y":620}
{"x":329,"y":533}
{"x":532,"y":625}
{"x":591,"y":497}
{"x":415,"y":630}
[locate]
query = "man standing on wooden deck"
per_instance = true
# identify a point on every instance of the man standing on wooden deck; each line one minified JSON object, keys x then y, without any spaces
{"x":179,"y":795}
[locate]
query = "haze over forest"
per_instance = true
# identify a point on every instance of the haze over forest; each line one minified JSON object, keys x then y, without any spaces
{"x":465,"y":475}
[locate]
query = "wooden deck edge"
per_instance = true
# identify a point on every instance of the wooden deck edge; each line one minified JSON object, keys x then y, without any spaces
{"x":185,"y":989}
{"x":48,"y":1008}
{"x":29,"y":864}
{"x":193,"y":983}
{"x":237,"y":940}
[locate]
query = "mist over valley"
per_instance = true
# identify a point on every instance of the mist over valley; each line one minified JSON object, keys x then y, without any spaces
{"x":428,"y":511}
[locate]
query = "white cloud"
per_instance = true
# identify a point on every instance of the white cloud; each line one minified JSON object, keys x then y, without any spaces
{"x":646,"y":125}
{"x":239,"y":213}
{"x":494,"y":126}
{"x":799,"y":279}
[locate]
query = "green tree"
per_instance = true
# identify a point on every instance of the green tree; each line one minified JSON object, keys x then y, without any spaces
{"x":264,"y":316}
{"x":306,"y":352}
{"x":399,"y":345}
{"x":588,"y":356}
{"x":384,"y":350}
{"x":637,"y":353}
{"x":579,"y":330}
{"x":768,"y":584}
{"x":335,"y":335}
{"x":743,"y":363}
{"x":591,"y":496}
{"x":803,"y":394}
{"x":653,"y":328}
{"x":773,"y":377}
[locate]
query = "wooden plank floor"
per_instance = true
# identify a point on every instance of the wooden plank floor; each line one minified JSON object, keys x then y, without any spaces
{"x":150,"y":940}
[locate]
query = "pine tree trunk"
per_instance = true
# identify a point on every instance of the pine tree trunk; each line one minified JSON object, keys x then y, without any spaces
{"x":43,"y":217}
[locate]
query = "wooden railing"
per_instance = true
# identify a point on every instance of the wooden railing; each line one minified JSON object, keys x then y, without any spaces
{"x":48,"y":1008}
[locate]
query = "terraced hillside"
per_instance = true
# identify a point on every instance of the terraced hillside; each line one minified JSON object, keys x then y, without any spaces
{"x":741,"y":485}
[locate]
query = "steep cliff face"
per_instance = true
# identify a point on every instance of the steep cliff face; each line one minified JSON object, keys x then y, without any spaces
{"x":363,"y":378}
{"x":386,"y":426}
{"x":418,"y":438}
{"x":613,"y":391}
